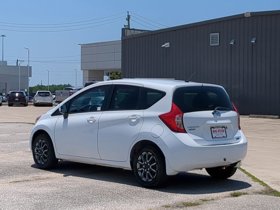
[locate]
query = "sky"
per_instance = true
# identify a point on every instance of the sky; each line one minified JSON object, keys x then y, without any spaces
{"x":53,"y":29}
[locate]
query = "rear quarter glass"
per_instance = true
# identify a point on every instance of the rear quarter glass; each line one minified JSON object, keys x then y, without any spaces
{"x":201,"y":98}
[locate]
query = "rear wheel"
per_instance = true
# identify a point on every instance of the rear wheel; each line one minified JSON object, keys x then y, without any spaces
{"x":149,"y":167}
{"x":222,"y":172}
{"x":43,"y":152}
{"x":9,"y":104}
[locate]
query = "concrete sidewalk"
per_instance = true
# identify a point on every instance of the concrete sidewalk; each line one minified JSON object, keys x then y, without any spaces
{"x":263,"y":158}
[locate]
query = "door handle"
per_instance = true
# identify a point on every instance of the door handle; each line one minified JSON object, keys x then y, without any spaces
{"x":91,"y":120}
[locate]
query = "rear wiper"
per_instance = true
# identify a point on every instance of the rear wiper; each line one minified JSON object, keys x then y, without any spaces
{"x":221,"y":108}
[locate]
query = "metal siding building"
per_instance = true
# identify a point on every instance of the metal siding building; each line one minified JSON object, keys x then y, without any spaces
{"x":99,"y":58}
{"x":246,"y":61}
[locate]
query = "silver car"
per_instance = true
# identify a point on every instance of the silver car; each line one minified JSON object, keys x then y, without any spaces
{"x":43,"y":98}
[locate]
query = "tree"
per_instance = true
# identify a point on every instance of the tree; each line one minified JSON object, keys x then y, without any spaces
{"x":115,"y":75}
{"x":52,"y":88}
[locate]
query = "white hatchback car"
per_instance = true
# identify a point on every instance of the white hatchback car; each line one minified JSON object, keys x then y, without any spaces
{"x":154,"y":127}
{"x":43,"y":97}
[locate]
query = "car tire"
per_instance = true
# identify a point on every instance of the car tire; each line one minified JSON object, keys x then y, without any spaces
{"x":223,"y":172}
{"x":43,"y":152}
{"x":149,"y":167}
{"x":10,"y":104}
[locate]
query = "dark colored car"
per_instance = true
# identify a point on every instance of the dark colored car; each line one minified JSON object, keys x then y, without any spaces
{"x":17,"y":97}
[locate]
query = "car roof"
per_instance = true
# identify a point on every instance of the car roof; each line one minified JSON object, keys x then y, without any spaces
{"x":16,"y":91}
{"x":154,"y":83}
{"x":43,"y":91}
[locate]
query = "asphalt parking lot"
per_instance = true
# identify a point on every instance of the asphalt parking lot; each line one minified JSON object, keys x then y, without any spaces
{"x":80,"y":186}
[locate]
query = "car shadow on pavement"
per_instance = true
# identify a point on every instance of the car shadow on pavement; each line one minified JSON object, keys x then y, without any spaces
{"x":183,"y":183}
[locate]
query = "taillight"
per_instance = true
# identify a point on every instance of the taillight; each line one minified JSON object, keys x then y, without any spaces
{"x":236,"y":110}
{"x":174,"y":119}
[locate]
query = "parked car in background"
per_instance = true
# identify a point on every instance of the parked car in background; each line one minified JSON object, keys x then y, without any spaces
{"x":4,"y":97}
{"x":1,"y":100}
{"x":61,"y":95}
{"x":17,"y":98}
{"x":153,"y":127}
{"x":89,"y":83}
{"x":43,"y":98}
{"x":73,"y":90}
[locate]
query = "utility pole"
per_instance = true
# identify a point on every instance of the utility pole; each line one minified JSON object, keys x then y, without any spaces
{"x":3,"y":36}
{"x":128,"y":20}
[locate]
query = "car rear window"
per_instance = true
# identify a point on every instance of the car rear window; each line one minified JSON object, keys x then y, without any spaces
{"x":201,"y":98}
{"x":17,"y":94}
{"x":44,"y":94}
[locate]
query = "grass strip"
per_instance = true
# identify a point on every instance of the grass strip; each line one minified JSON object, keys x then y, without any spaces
{"x":268,"y":190}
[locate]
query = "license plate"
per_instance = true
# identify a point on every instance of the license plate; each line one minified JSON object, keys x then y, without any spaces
{"x":218,"y":132}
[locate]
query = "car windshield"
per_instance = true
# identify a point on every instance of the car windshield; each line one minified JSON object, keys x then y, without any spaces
{"x":44,"y":94}
{"x":202,"y":98}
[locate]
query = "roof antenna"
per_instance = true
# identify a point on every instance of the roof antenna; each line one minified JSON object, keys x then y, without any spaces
{"x":191,"y":76}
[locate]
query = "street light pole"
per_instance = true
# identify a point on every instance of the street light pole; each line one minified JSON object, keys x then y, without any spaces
{"x":48,"y":80}
{"x":3,"y":36}
{"x":76,"y":77}
{"x":19,"y":61}
{"x":28,"y":51}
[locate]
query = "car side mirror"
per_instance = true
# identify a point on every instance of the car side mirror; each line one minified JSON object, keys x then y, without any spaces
{"x":63,"y":110}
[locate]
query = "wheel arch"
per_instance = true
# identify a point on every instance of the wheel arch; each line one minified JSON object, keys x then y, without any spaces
{"x":141,"y":144}
{"x":37,"y":133}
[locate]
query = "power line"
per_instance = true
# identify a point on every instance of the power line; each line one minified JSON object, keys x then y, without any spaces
{"x":149,"y":21}
{"x":63,"y":29}
{"x":143,"y":25}
{"x":40,"y":25}
{"x":49,"y":57}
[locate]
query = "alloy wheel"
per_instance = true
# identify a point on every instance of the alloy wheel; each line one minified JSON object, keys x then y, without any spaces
{"x":41,"y":151}
{"x":147,"y":166}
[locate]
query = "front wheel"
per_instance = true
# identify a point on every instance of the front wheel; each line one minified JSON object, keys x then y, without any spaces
{"x":222,"y":172}
{"x":149,"y":167}
{"x":43,"y":152}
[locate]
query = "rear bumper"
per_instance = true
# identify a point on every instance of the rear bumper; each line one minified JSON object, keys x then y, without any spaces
{"x":185,"y":154}
{"x":17,"y":102}
{"x":42,"y":103}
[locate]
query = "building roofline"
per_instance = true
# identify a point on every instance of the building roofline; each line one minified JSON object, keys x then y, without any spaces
{"x":101,"y":43}
{"x":201,"y":23}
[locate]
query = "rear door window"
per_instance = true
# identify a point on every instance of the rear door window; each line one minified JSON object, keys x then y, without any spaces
{"x":201,"y":98}
{"x":125,"y":97}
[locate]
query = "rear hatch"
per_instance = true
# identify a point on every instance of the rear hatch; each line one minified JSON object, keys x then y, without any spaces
{"x":209,"y":116}
{"x":43,"y":97}
{"x":17,"y":97}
